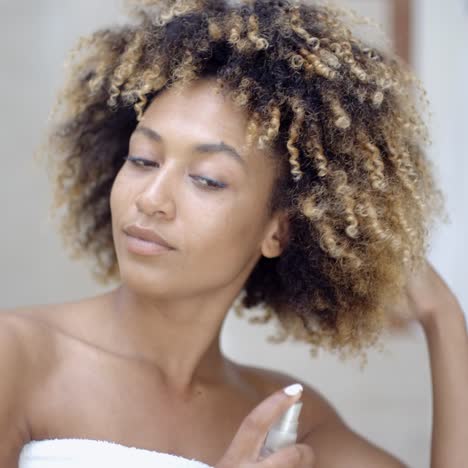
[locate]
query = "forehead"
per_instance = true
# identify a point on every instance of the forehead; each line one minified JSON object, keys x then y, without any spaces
{"x":199,"y":110}
{"x":201,"y":114}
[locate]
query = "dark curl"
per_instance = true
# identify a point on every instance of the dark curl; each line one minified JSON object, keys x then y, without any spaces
{"x":339,"y":115}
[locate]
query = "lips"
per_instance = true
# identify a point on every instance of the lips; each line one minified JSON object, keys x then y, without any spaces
{"x":146,"y":234}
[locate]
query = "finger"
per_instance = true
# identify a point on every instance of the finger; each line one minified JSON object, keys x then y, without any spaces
{"x":252,"y":432}
{"x":294,"y":456}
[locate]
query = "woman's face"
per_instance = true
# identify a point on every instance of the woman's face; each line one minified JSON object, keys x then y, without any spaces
{"x":208,"y":203}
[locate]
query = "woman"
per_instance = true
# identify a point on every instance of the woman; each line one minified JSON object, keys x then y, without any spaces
{"x":210,"y":150}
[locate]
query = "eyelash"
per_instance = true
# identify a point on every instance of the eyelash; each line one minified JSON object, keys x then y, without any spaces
{"x":211,"y":184}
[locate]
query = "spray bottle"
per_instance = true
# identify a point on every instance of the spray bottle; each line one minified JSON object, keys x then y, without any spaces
{"x":283,"y":432}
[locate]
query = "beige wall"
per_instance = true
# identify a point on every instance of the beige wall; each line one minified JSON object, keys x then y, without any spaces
{"x":388,"y":402}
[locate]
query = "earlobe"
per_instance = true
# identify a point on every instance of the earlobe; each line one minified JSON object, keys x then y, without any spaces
{"x":271,"y":248}
{"x":277,"y":238}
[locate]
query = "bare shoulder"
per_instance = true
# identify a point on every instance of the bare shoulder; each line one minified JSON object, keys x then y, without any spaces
{"x":324,"y":429}
{"x":30,"y":328}
{"x":33,"y":334}
{"x":355,"y":451}
{"x":27,"y":344}
{"x":316,"y":409}
{"x":19,"y":364}
{"x":45,"y":326}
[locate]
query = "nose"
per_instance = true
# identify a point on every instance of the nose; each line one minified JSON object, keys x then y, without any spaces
{"x":157,"y":197}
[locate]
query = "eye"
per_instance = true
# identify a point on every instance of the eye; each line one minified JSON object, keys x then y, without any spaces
{"x":140,"y":162}
{"x":210,"y":184}
{"x":205,"y":182}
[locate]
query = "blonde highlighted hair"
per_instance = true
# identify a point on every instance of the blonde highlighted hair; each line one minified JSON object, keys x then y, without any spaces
{"x":339,"y":116}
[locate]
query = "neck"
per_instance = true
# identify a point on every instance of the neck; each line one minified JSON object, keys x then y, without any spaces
{"x":179,"y":339}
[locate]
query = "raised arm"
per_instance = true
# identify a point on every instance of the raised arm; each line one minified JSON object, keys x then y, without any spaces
{"x":429,"y":301}
{"x":444,"y":325}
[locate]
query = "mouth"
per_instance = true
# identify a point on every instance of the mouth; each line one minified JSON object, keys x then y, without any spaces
{"x":146,"y":234}
{"x":144,"y":247}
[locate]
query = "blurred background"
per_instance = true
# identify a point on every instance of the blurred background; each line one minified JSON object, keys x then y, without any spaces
{"x":389,"y":402}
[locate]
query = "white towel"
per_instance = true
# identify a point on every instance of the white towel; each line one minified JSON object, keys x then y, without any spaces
{"x":87,"y":453}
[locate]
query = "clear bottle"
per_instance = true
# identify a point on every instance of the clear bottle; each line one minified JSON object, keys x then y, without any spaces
{"x":283,"y":432}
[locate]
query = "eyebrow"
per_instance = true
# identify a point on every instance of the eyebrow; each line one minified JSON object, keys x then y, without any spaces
{"x":203,"y":148}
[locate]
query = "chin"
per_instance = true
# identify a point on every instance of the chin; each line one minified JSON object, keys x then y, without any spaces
{"x":144,"y":286}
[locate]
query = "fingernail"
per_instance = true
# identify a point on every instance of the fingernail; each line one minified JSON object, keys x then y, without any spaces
{"x":293,"y":389}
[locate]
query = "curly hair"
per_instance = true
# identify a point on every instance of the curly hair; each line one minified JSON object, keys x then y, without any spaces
{"x":339,"y":114}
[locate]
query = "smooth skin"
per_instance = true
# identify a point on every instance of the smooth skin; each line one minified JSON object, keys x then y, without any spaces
{"x":142,"y":365}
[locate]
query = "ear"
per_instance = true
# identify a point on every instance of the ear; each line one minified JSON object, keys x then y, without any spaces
{"x":277,"y":235}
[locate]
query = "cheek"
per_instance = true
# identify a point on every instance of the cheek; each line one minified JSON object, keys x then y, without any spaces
{"x":227,"y":226}
{"x":119,"y":195}
{"x":114,"y":198}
